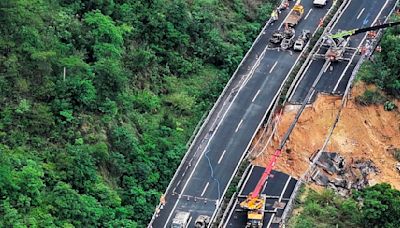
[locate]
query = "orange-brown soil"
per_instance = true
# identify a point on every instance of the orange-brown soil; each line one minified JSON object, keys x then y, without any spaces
{"x":362,"y":132}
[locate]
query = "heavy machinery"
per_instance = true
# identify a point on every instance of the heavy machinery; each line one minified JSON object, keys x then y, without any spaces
{"x":338,"y":42}
{"x":255,"y":201}
{"x":295,"y":15}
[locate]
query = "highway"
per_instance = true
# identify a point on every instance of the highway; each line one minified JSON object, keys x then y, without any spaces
{"x":333,"y":80}
{"x":219,"y":148}
{"x":278,"y":188}
{"x":358,"y":14}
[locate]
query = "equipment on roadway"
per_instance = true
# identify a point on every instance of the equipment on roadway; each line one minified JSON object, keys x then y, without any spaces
{"x":319,"y":3}
{"x":295,"y":15}
{"x":288,"y":38}
{"x":202,"y":221}
{"x":276,"y":38}
{"x":255,"y":202}
{"x":181,"y":220}
{"x":339,"y":41}
{"x":301,"y":40}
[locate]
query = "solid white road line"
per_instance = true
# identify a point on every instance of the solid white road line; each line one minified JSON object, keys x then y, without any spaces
{"x":205,"y":188}
{"x":273,"y":67}
{"x":238,"y":126}
{"x":247,"y":178}
{"x":222,"y":156}
{"x":230,"y":214}
{"x":312,"y":94}
{"x":280,"y":198}
{"x":255,"y":66}
{"x":284,"y":188}
{"x":308,"y":14}
{"x":358,"y":47}
{"x":254,"y":98}
{"x":359,"y":15}
{"x":280,"y":26}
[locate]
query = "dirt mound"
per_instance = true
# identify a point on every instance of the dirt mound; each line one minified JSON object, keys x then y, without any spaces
{"x":362,"y":132}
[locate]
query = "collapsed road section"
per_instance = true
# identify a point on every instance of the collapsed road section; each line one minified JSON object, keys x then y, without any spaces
{"x":214,"y":156}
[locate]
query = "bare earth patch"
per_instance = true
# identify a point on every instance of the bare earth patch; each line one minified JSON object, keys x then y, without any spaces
{"x":362,"y":132}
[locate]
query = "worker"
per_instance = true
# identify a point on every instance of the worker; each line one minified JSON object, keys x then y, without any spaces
{"x":274,"y":15}
{"x":371,"y":34}
{"x":321,"y":22}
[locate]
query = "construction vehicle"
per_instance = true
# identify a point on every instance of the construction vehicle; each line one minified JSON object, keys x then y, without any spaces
{"x":301,"y":41}
{"x":255,"y":201}
{"x":288,"y":38}
{"x":320,"y":3}
{"x":338,"y":42}
{"x":202,"y":221}
{"x":181,"y":220}
{"x":295,"y":15}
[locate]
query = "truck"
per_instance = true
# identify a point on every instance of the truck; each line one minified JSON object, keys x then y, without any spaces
{"x":181,"y":220}
{"x":295,"y":15}
{"x":319,"y":3}
{"x":301,"y":40}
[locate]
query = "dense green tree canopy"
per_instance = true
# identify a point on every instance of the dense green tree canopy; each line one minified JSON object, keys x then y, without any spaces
{"x":99,"y":97}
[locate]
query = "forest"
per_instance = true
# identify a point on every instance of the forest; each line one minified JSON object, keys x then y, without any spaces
{"x":98,"y":99}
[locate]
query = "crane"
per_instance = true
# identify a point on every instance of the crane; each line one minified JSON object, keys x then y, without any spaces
{"x":339,"y":41}
{"x":255,"y":201}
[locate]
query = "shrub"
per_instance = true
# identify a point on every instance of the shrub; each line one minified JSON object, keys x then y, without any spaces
{"x":370,"y":97}
{"x":389,"y":106}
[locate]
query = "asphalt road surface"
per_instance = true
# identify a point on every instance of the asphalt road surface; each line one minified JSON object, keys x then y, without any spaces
{"x":358,"y":14}
{"x":278,"y":190}
{"x":210,"y":166}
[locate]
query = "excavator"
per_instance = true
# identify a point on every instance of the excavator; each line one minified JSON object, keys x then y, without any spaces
{"x":255,"y":201}
{"x":338,"y":42}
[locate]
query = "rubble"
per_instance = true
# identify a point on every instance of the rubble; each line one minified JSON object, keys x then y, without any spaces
{"x":333,"y":171}
{"x":362,"y":132}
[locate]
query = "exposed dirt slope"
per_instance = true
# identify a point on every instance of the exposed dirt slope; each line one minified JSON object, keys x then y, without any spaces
{"x":362,"y":132}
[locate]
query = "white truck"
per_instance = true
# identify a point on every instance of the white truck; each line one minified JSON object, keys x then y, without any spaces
{"x":320,"y":3}
{"x":181,"y":220}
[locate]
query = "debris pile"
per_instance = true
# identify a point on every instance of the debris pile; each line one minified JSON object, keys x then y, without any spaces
{"x":363,"y":132}
{"x":333,"y":171}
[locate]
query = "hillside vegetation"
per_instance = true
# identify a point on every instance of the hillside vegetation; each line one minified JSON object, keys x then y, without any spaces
{"x":379,"y":205}
{"x":96,"y":146}
{"x":376,"y":206}
{"x":384,"y":70}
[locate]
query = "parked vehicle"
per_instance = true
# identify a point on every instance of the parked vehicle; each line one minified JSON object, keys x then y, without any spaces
{"x":295,"y":15}
{"x":301,"y":40}
{"x":320,"y":3}
{"x":181,"y":220}
{"x":276,"y":38}
{"x":288,"y":40}
{"x":202,"y":221}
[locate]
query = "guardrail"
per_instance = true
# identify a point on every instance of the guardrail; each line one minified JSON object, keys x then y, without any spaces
{"x":306,"y":175}
{"x":203,"y":122}
{"x":276,"y":101}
